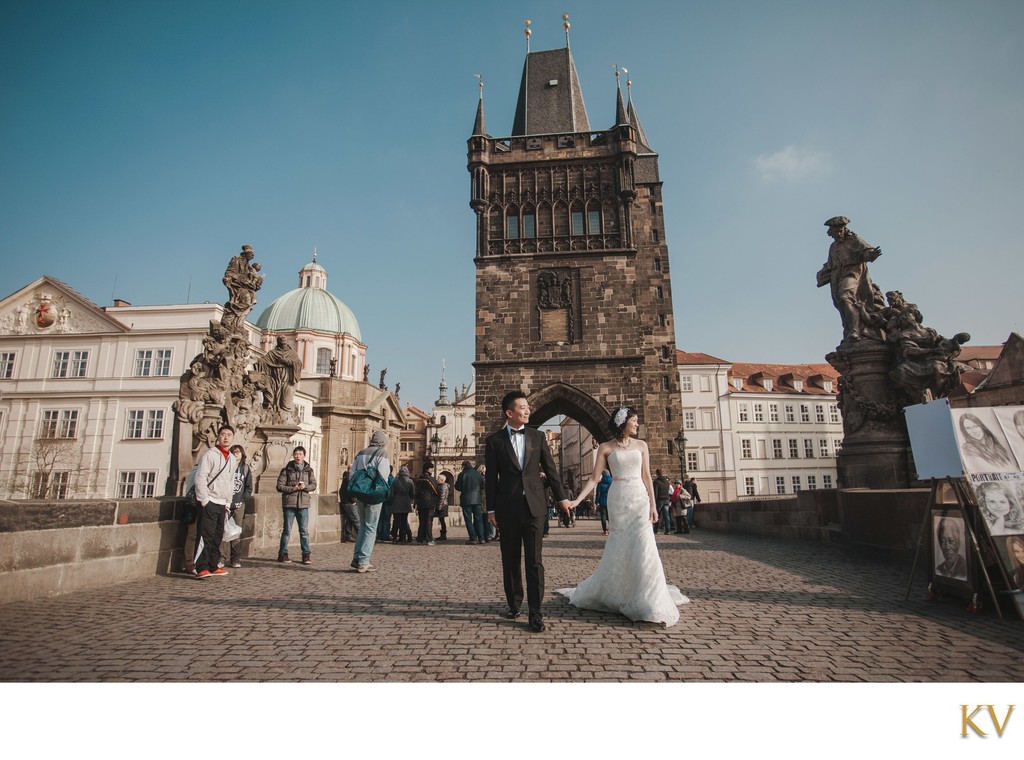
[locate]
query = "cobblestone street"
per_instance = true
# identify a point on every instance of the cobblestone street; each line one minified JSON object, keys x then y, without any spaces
{"x":762,"y":610}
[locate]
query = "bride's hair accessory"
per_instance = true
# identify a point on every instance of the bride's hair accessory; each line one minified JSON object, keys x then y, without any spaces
{"x":620,"y":416}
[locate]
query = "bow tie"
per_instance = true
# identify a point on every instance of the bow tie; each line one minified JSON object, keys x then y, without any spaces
{"x":513,"y":431}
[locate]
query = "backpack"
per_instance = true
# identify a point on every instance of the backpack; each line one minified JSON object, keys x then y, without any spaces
{"x":367,"y":485}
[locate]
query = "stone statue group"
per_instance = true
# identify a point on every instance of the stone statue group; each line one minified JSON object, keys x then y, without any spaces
{"x":921,"y":360}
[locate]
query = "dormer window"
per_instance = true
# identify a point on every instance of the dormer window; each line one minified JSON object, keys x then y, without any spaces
{"x":827,"y":386}
{"x":766,"y":382}
{"x":737,"y":383}
{"x":798,"y":385}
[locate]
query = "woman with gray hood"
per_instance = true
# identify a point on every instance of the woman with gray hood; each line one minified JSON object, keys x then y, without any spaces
{"x":369,"y":514}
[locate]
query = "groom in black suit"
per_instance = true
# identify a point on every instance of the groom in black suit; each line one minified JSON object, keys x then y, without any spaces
{"x":516,"y":503}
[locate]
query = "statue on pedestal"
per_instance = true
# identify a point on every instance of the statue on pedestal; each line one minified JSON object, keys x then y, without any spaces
{"x":279,"y":372}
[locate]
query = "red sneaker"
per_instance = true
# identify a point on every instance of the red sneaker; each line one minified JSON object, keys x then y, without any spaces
{"x":219,"y":571}
{"x":203,"y":574}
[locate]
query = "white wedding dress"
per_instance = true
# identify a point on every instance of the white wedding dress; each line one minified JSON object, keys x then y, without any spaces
{"x":630,"y":578}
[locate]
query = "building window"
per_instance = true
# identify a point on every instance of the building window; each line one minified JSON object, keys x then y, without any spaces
{"x":70,"y":363}
{"x":577,"y":222}
{"x":758,"y":412}
{"x":808,"y":448}
{"x":796,"y":484}
{"x":665,"y":353}
{"x":664,"y":383}
{"x":794,"y":448}
{"x":662,"y":320}
{"x":529,"y":226}
{"x":145,"y":423}
{"x":805,"y":413}
{"x":657,"y":265}
{"x":790,"y":417}
{"x":745,"y":450}
{"x":748,"y":485}
{"x":512,"y":227}
{"x":691,"y":461}
{"x":826,"y":481}
{"x":668,"y":414}
{"x":823,"y":444}
{"x":776,"y":448}
{"x":323,"y":361}
{"x":812,"y":483}
{"x":744,"y":412}
{"x":773,"y":412}
{"x":136,"y":484}
{"x":59,"y":423}
{"x":689,"y":421}
{"x":833,"y":413}
{"x":819,"y":412}
{"x":6,"y":366}
{"x":52,"y":484}
{"x":837,"y":445}
{"x":780,"y":484}
{"x":153,"y":362}
{"x":686,"y":383}
{"x":594,"y":222}
{"x":655,"y":236}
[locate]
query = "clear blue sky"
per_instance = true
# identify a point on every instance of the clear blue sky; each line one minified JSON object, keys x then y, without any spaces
{"x":149,"y":140}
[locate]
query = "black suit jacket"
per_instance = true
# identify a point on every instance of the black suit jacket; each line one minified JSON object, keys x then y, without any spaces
{"x":507,"y":485}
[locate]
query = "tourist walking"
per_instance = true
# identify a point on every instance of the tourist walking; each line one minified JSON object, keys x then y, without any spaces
{"x":369,"y":514}
{"x":663,"y":498}
{"x":443,"y":489}
{"x":601,"y":499}
{"x":427,"y":493}
{"x":349,"y":513}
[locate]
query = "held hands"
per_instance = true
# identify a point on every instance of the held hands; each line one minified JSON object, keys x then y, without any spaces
{"x":567,"y":506}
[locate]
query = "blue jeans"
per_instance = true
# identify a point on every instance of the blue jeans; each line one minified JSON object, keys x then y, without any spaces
{"x":302,"y":517}
{"x":369,"y":514}
{"x":602,"y":511}
{"x":473,"y":514}
{"x":665,"y":522}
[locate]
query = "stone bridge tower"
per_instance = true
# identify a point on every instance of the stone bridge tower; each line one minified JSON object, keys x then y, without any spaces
{"x":573,"y":294}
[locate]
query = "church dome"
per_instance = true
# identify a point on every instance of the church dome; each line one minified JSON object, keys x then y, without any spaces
{"x":310,"y":307}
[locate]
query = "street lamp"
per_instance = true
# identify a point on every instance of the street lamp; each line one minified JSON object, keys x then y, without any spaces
{"x":435,"y":444}
{"x":681,"y":446}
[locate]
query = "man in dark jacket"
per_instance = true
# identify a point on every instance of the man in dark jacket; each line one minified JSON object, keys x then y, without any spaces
{"x":294,"y":484}
{"x":427,"y":498}
{"x":349,"y":512}
{"x":601,"y":499}
{"x":662,"y":499}
{"x":470,"y":485}
{"x":691,"y":488}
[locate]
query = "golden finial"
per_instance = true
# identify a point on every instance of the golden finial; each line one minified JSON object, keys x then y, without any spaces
{"x":565,"y":23}
{"x":527,"y":32}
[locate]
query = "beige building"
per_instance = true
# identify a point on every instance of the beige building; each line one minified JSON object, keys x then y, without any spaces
{"x":86,"y":392}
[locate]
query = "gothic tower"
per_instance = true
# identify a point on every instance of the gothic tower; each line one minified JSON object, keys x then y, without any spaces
{"x":573,"y":295}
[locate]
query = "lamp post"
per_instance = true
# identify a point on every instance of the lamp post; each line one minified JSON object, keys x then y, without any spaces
{"x":435,"y":444}
{"x":681,"y":446}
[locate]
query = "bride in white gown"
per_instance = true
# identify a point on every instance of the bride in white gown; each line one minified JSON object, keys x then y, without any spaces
{"x":630,"y":578}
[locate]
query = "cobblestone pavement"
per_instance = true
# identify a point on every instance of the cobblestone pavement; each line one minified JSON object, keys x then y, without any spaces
{"x":761,"y":610}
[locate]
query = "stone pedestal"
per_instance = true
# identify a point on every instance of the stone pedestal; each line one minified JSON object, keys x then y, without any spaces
{"x":876,"y":447}
{"x":275,"y":449}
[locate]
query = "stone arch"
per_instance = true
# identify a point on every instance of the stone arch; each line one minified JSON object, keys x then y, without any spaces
{"x":562,"y":398}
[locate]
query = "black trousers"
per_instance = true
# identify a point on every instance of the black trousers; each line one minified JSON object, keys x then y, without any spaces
{"x":522,"y":534}
{"x":209,"y":534}
{"x":400,"y":530}
{"x":426,"y":529}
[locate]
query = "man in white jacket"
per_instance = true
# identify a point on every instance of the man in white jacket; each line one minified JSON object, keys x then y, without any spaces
{"x":215,"y":487}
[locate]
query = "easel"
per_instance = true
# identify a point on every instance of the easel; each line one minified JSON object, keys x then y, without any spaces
{"x":963,"y":502}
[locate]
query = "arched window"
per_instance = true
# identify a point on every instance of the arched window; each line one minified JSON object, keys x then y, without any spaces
{"x":529,"y":223}
{"x":594,"y":220}
{"x":323,"y":361}
{"x":512,"y":224}
{"x":577,"y":221}
{"x":307,"y":280}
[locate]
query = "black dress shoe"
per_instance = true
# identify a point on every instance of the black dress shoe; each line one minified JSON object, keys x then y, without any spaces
{"x":536,"y":622}
{"x":511,"y":614}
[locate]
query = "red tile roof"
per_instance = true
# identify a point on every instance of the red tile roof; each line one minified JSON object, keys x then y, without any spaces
{"x":695,"y":357}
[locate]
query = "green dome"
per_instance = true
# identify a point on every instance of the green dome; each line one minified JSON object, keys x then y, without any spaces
{"x":309,"y":309}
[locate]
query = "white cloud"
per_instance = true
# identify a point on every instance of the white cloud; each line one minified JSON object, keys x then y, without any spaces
{"x":793,"y":164}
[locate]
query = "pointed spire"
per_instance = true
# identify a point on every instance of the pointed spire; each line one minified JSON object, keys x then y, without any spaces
{"x":620,"y":108}
{"x":478,"y":125}
{"x":634,"y":119}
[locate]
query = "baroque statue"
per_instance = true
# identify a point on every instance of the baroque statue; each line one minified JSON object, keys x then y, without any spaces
{"x":278,"y":373}
{"x":857,"y":298}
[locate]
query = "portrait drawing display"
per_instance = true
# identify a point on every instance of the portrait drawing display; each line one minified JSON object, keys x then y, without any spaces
{"x":949,"y":546}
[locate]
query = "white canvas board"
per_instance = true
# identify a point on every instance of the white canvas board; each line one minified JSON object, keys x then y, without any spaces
{"x":933,"y":440}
